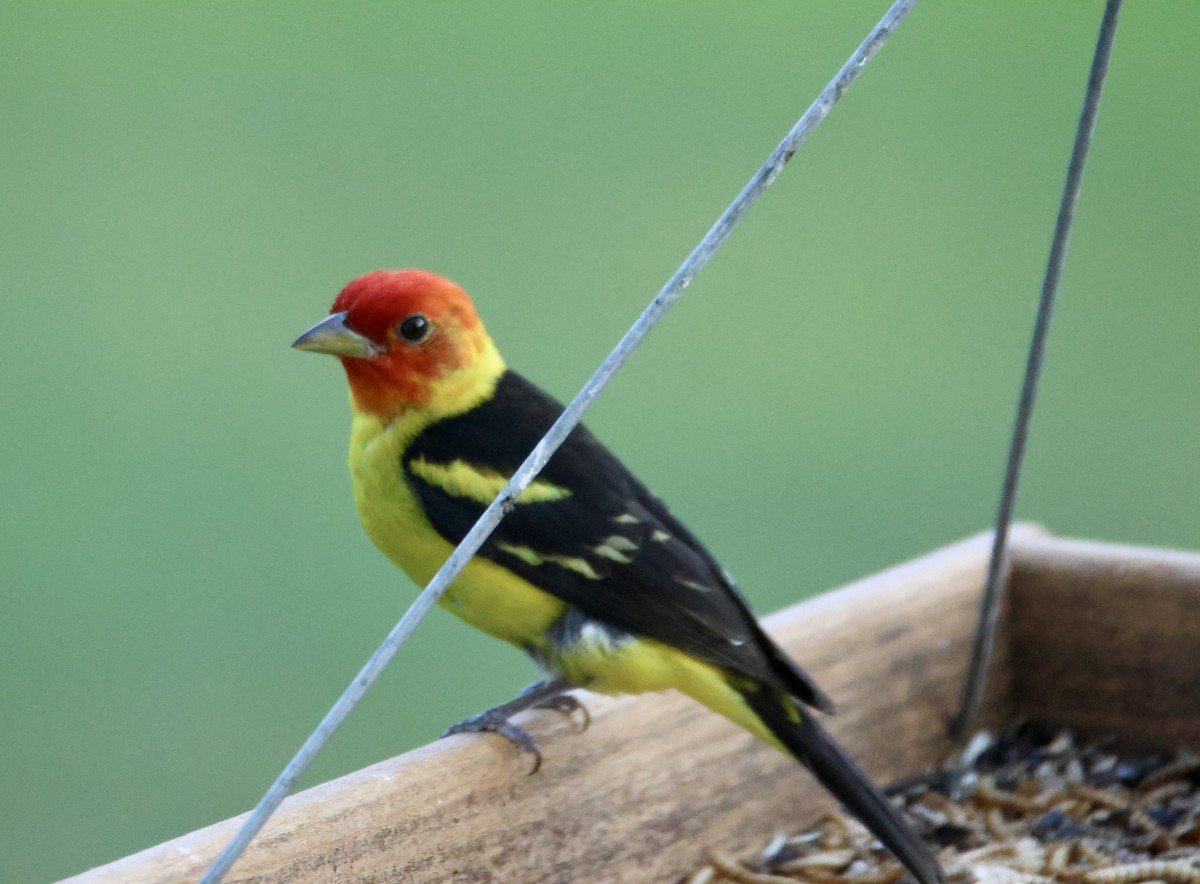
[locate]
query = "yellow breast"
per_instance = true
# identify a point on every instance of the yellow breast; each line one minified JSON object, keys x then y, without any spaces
{"x":487,"y":596}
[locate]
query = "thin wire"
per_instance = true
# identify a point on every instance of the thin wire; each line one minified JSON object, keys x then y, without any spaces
{"x":989,"y":610}
{"x":557,"y":433}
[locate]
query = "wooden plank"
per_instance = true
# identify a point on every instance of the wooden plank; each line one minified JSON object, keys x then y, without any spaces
{"x":652,"y":784}
{"x":1106,"y":638}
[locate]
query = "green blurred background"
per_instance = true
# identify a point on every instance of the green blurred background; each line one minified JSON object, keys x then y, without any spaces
{"x":186,"y":186}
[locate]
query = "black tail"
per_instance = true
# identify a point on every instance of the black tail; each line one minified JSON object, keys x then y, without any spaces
{"x":838,"y":773}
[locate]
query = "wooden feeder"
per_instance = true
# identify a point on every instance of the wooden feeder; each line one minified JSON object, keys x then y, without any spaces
{"x":1100,"y":637}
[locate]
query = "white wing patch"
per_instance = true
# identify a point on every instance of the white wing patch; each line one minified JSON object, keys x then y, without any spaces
{"x":531,"y":556}
{"x":616,"y":541}
{"x":692,"y":584}
{"x":614,"y":548}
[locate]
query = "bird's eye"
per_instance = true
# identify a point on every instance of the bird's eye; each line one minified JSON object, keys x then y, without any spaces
{"x":414,"y":328}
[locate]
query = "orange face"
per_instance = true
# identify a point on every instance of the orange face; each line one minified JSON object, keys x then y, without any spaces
{"x":399,"y":334}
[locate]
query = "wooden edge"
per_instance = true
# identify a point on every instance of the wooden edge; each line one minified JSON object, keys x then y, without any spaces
{"x":654,"y":783}
{"x":1106,"y":638}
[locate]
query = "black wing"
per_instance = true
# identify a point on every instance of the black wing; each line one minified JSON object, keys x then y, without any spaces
{"x":607,"y":546}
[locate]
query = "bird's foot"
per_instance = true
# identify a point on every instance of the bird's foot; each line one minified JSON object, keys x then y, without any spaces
{"x":497,"y":720}
{"x":568,"y":706}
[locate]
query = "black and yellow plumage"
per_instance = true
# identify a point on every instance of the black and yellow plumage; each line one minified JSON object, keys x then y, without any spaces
{"x":589,"y":573}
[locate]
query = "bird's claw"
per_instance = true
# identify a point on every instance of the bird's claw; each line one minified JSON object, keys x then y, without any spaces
{"x":568,"y":706}
{"x":495,"y":721}
{"x":498,"y":720}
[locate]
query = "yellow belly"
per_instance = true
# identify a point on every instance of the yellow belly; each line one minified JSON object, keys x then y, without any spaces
{"x":485,"y":595}
{"x":644,"y":665}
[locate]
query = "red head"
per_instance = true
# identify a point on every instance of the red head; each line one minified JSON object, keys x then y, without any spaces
{"x":407,"y":339}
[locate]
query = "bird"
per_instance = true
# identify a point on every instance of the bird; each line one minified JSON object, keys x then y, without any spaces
{"x":589,"y":573}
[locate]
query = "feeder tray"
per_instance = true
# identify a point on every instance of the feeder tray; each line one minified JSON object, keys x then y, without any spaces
{"x":1099,"y":637}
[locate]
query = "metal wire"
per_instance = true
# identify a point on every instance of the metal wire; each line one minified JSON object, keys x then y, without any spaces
{"x":557,"y":433}
{"x":989,"y":610}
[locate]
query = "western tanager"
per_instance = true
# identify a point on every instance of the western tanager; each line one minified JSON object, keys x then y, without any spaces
{"x":590,"y":574}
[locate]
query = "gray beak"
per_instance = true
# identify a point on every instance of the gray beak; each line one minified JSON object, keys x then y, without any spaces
{"x":331,"y":335}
